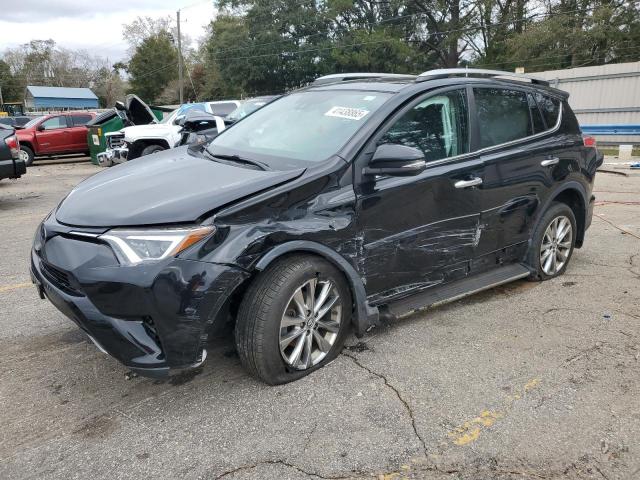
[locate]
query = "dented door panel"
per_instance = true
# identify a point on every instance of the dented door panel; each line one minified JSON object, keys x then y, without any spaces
{"x":418,"y":232}
{"x":517,"y":185}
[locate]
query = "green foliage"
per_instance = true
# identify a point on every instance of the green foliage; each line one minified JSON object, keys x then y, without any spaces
{"x":11,"y":88}
{"x":153,"y":66}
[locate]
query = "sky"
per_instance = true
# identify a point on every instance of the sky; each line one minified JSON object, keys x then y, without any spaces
{"x":95,"y":26}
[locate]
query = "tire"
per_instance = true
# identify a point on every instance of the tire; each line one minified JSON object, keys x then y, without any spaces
{"x":151,"y":149}
{"x":27,"y":155}
{"x":270,"y":301}
{"x":558,"y":250}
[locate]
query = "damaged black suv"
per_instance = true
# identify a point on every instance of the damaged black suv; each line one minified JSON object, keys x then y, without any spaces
{"x":360,"y":197}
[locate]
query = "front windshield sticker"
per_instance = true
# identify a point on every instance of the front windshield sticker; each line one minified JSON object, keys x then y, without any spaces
{"x":347,"y":112}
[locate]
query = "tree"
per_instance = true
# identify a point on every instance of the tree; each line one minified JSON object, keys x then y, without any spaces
{"x":11,"y":88}
{"x":109,"y":87}
{"x":153,"y":66}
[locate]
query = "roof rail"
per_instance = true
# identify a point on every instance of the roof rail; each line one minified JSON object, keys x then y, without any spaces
{"x":477,"y":72}
{"x":342,"y":77}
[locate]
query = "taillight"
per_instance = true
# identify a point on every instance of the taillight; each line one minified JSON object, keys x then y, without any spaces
{"x":14,"y":145}
{"x":589,"y":141}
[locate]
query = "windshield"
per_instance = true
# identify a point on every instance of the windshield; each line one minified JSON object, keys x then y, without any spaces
{"x":310,"y":126}
{"x":246,"y":108}
{"x":31,"y":123}
{"x":182,"y":110}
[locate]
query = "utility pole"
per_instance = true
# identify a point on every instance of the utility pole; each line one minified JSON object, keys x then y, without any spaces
{"x":180,"y":79}
{"x":1,"y":101}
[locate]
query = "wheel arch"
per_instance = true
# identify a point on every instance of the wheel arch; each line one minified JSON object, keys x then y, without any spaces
{"x":363,"y":314}
{"x":574,"y":195}
{"x":27,"y":143}
{"x":139,"y":145}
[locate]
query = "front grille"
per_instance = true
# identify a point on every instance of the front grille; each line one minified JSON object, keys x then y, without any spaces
{"x":59,"y":278}
{"x":115,"y":141}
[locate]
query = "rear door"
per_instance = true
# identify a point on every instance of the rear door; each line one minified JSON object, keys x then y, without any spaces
{"x":421,"y":231}
{"x":53,"y":135}
{"x":78,"y":131}
{"x":520,"y":152}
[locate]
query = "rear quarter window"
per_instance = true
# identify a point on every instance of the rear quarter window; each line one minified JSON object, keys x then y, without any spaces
{"x":550,"y":109}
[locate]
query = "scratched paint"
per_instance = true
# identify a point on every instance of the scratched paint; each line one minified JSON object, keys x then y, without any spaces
{"x":470,"y":430}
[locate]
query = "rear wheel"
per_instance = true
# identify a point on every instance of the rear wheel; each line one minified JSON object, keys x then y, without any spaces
{"x":293,"y":320}
{"x":151,"y":149}
{"x":26,"y":154}
{"x":553,"y":242}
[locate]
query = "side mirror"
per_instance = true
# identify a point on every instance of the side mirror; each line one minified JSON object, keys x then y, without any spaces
{"x":396,"y":160}
{"x":120,"y":106}
{"x":40,"y":128}
{"x":179,"y":120}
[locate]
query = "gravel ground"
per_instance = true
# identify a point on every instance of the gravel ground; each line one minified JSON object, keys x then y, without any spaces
{"x":528,"y":380}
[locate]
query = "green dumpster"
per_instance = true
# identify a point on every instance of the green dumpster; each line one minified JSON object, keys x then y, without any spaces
{"x":101,"y":124}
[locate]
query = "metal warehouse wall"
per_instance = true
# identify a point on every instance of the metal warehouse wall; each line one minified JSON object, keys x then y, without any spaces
{"x":607,"y":94}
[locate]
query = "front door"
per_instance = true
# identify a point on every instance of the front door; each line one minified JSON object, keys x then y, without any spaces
{"x":53,"y":137}
{"x":421,"y":231}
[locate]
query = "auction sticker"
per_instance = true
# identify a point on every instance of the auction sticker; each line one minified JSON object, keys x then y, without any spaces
{"x":346,"y":112}
{"x":96,"y":140}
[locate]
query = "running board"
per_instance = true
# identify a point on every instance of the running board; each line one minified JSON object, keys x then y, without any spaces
{"x":456,"y":290}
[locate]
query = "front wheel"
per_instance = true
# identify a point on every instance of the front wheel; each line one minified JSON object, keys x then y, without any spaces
{"x":553,"y":242}
{"x":293,"y":320}
{"x":26,"y":155}
{"x":151,"y":149}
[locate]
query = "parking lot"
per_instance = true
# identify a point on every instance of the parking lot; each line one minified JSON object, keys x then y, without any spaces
{"x":528,"y":380}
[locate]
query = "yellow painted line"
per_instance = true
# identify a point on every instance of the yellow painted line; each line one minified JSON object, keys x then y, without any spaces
{"x":470,"y":430}
{"x":15,"y":286}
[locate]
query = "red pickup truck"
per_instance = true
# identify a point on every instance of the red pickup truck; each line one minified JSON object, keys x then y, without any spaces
{"x":54,"y":134}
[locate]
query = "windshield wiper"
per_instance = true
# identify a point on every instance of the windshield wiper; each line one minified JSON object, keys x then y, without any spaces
{"x":238,"y":159}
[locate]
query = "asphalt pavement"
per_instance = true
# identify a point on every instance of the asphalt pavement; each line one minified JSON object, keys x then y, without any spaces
{"x":528,"y":380}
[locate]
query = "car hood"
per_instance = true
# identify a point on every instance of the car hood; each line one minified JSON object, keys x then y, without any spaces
{"x":174,"y":186}
{"x":154,"y":130}
{"x":138,"y":111}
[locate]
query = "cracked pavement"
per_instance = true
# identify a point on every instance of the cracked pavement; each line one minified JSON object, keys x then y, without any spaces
{"x":528,"y":380}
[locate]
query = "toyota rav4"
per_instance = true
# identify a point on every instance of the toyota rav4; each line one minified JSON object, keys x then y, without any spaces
{"x":360,"y":197}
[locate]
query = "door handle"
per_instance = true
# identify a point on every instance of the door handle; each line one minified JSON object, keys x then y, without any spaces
{"x":550,"y":161}
{"x":468,"y":183}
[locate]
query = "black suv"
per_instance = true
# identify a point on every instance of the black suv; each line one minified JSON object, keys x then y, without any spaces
{"x":360,"y":197}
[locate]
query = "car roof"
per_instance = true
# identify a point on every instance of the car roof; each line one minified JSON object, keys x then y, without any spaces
{"x":377,"y":85}
{"x":393,"y":83}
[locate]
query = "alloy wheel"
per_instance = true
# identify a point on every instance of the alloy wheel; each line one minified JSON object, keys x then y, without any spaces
{"x":24,"y":156}
{"x":556,"y":245}
{"x":310,"y":324}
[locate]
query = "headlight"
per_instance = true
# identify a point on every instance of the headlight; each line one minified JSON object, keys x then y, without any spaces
{"x":135,"y":246}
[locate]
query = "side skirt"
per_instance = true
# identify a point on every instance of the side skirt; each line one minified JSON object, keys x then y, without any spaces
{"x":453,"y":291}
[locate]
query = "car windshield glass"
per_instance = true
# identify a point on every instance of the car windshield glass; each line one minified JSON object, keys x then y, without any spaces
{"x":309,"y":126}
{"x":245,"y":109}
{"x":31,"y":123}
{"x":182,"y":110}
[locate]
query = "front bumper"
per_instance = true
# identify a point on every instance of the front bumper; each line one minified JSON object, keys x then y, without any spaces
{"x":13,"y":168}
{"x":112,"y":155}
{"x":154,"y":318}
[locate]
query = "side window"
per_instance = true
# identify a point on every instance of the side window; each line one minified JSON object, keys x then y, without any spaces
{"x":80,"y":120}
{"x":438,"y":126}
{"x":550,"y":108}
{"x":503,"y":115}
{"x":55,"y":122}
{"x":536,"y":116}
